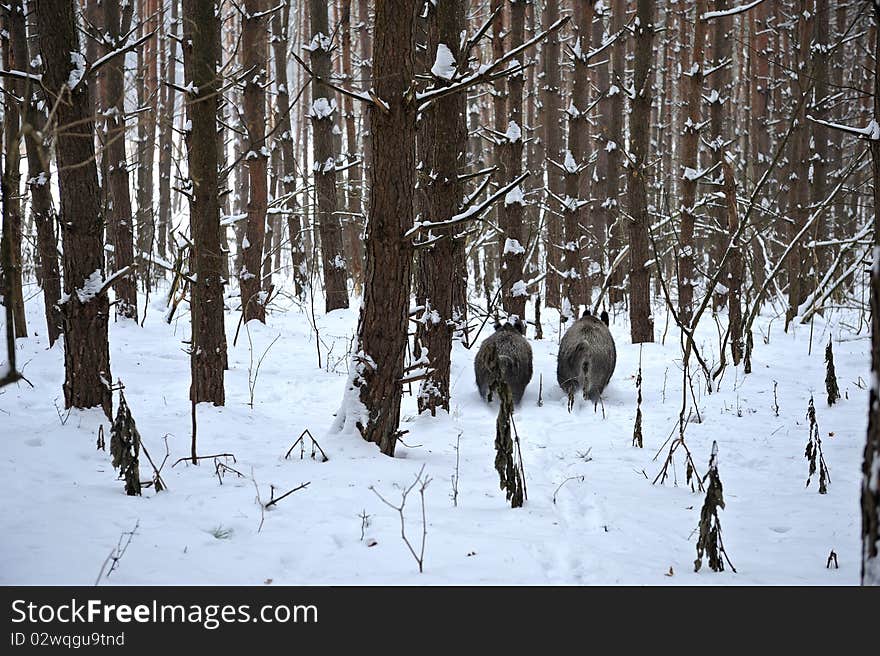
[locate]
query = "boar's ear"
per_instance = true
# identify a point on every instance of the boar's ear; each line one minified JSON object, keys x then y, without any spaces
{"x":586,"y":313}
{"x":520,"y":326}
{"x":604,"y":317}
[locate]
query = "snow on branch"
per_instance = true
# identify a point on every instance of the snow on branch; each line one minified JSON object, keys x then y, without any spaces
{"x":733,"y":11}
{"x":484,"y":73}
{"x":470,"y":213}
{"x":351,"y":93}
{"x":871,"y":132}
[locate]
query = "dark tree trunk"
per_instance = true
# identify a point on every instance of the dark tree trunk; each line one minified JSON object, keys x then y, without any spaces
{"x":382,"y":327}
{"x":42,"y":208}
{"x":148,"y":97}
{"x":638,"y":178}
{"x":576,"y":209}
{"x":719,"y":99}
{"x":12,"y":176}
{"x":511,"y":209}
{"x":799,"y":282}
{"x":613,"y":146}
{"x":253,"y":44}
{"x":119,"y":206}
{"x":444,"y":192}
{"x":690,"y":142}
{"x":550,"y":119}
{"x":324,"y":167}
{"x":86,"y":309}
{"x":208,"y":348}
{"x":284,"y":134}
{"x":871,"y":462}
{"x":168,"y":64}
{"x":353,"y":217}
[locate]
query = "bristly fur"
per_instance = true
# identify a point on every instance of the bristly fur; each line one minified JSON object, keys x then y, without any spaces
{"x":514,"y":353}
{"x":587,"y":357}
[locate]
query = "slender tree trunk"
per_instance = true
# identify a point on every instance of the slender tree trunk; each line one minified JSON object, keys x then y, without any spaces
{"x":798,"y":272}
{"x":719,"y":99}
{"x":280,"y":25}
{"x":638,"y":178}
{"x":85,"y":307}
{"x":200,"y":54}
{"x":551,"y":108}
{"x":444,"y":192}
{"x":253,"y":44}
{"x":613,"y":146}
{"x":120,"y":222}
{"x":353,"y":224}
{"x":382,"y":328}
{"x":576,"y":209}
{"x":324,"y":168}
{"x":147,"y":97}
{"x":690,"y":142}
{"x":511,"y":211}
{"x":12,"y":177}
{"x":870,"y":498}
{"x":365,"y":82}
{"x":39,"y":176}
{"x":167,"y":95}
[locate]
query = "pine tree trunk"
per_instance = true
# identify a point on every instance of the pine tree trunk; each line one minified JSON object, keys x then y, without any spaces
{"x":577,"y":209}
{"x":550,"y":111}
{"x":253,"y":44}
{"x":444,"y":193}
{"x":12,"y":176}
{"x":120,"y":223}
{"x":638,"y":178}
{"x":797,"y":269}
{"x":280,"y":26}
{"x":613,"y":145}
{"x":382,"y":327}
{"x":168,"y":65}
{"x":208,"y":349}
{"x":690,"y":142}
{"x":511,"y":209}
{"x":86,"y":308}
{"x":870,"y":500}
{"x":322,"y":110}
{"x":147,"y":98}
{"x":353,"y":223}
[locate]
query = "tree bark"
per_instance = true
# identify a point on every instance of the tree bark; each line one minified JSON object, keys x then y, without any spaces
{"x":280,"y":27}
{"x":324,"y":167}
{"x":86,"y":308}
{"x":690,"y":142}
{"x":12,"y":176}
{"x":576,"y":209}
{"x":147,"y":97}
{"x":168,"y":94}
{"x":638,"y":175}
{"x":253,"y":44}
{"x":551,"y":106}
{"x":119,"y":206}
{"x":511,"y":209}
{"x":208,"y":349}
{"x":382,"y":327}
{"x":444,"y":193}
{"x":870,"y":498}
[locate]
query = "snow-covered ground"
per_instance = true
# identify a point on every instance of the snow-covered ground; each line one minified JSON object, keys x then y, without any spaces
{"x":62,"y":509}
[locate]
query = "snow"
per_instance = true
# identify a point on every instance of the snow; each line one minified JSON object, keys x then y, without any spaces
{"x":322,"y":108}
{"x":78,"y":70}
{"x":514,"y":132}
{"x":63,"y":508}
{"x":444,"y":63}
{"x":570,"y":165}
{"x":319,"y":41}
{"x":513,"y":246}
{"x":513,"y":196}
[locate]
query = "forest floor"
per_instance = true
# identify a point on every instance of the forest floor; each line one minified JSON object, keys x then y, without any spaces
{"x":592,"y":516}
